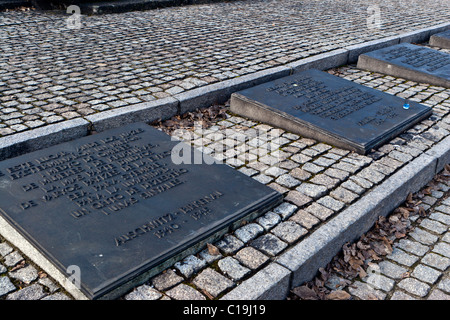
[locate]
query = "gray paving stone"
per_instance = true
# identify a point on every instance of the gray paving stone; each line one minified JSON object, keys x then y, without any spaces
{"x":400,"y":295}
{"x":26,"y":274}
{"x":248,"y":232}
{"x":305,"y":219}
{"x":12,"y":259}
{"x":392,"y":270}
{"x":402,"y":257}
{"x":425,"y":274}
{"x":438,"y":295}
{"x":366,"y":291}
{"x":5,"y":249}
{"x":143,"y":292}
{"x":229,"y":244}
{"x":184,"y":292}
{"x":434,"y":226}
{"x":319,"y":211}
{"x":344,"y":195}
{"x":289,"y":231}
{"x":413,"y":247}
{"x":269,"y":220}
{"x":298,"y":198}
{"x":379,"y":281}
{"x":251,"y":258}
{"x":323,"y":179}
{"x":213,"y":282}
{"x":189,"y":265}
{"x":331,"y":203}
{"x":269,"y":244}
{"x":436,"y":261}
{"x":441,"y":217}
{"x":270,"y":283}
{"x":166,"y":280}
{"x":444,"y":285}
{"x":442,"y":248}
{"x":443,"y":208}
{"x":312,"y":190}
{"x":414,"y":287}
{"x":32,"y":292}
{"x":423,"y":236}
{"x":208,"y":257}
{"x":6,"y":286}
{"x":285,"y":210}
{"x":287,"y":181}
{"x":233,"y":268}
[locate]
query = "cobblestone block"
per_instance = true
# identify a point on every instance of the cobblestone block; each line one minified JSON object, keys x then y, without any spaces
{"x":26,"y":274}
{"x":413,"y":247}
{"x":248,"y":232}
{"x":6,"y":286}
{"x":251,"y":258}
{"x":312,"y":190}
{"x":185,"y":292}
{"x":143,"y":292}
{"x":33,"y":292}
{"x":289,"y":231}
{"x":269,"y":244}
{"x":423,"y":236}
{"x":442,"y":248}
{"x":213,"y":282}
{"x":229,"y":244}
{"x":436,"y":261}
{"x":166,"y":280}
{"x":402,"y":257}
{"x":285,"y":210}
{"x":233,"y":268}
{"x":425,"y":274}
{"x":189,"y":265}
{"x":414,"y":287}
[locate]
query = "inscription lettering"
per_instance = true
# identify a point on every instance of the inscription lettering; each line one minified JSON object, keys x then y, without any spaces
{"x":104,"y":176}
{"x":172,"y":221}
{"x":431,"y":60}
{"x":323,"y":102}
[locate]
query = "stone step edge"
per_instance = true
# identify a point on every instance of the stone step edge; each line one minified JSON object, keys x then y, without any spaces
{"x":162,"y":109}
{"x":301,"y":263}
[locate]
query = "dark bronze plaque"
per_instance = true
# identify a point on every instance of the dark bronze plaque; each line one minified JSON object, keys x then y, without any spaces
{"x":409,"y":61}
{"x":441,"y":40}
{"x":115,"y":205}
{"x":327,"y":108}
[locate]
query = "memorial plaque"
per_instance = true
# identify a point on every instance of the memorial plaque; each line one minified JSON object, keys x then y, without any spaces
{"x":441,"y":40}
{"x":411,"y":62}
{"x":115,"y":205}
{"x":327,"y":108}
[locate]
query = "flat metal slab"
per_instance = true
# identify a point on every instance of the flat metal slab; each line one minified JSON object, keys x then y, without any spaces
{"x":411,"y":62}
{"x":115,"y":205}
{"x":441,"y":40}
{"x":327,"y":108}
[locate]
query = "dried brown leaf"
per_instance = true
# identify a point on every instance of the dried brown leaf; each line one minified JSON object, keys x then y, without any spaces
{"x":338,"y":295}
{"x":305,"y":293}
{"x":212,"y":250}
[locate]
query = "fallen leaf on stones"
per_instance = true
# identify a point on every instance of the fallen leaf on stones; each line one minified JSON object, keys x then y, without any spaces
{"x":212,"y":250}
{"x":305,"y":293}
{"x":338,"y":295}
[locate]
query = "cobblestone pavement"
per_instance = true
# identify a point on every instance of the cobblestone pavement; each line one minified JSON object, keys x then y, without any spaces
{"x":317,"y":180}
{"x":417,"y":264}
{"x":50,"y":73}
